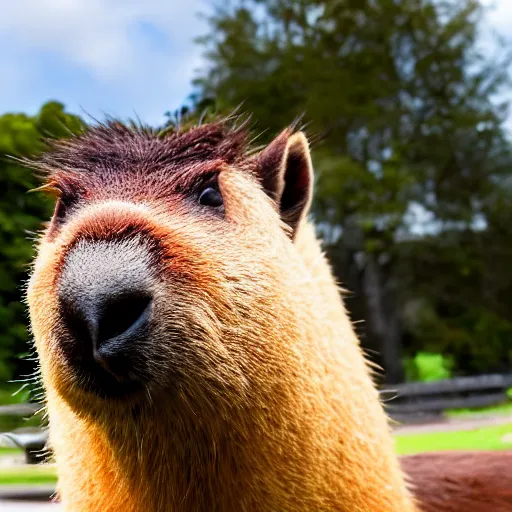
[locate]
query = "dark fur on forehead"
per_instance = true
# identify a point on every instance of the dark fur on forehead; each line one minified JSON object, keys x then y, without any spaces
{"x":118,"y":147}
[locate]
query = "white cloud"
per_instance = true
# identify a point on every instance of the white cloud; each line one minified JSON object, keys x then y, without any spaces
{"x":132,"y":56}
{"x":106,"y":37}
{"x":499,"y":16}
{"x":498,"y":22}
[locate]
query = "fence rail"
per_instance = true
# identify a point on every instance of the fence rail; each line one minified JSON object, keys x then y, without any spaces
{"x":26,"y":409}
{"x":404,"y":402}
{"x":33,"y":441}
{"x":407,"y":402}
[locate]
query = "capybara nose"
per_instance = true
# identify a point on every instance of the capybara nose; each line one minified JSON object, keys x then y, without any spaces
{"x":110,"y":327}
{"x":106,"y":301}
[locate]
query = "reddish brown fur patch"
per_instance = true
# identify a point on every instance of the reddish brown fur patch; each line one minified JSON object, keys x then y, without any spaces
{"x":461,"y":481}
{"x":114,"y":160}
{"x":114,"y":143}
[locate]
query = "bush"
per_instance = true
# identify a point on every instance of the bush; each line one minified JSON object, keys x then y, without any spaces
{"x":428,"y":367}
{"x":21,"y":216}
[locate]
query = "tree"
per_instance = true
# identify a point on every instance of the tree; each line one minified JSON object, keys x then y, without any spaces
{"x":402,"y":101}
{"x":21,"y":214}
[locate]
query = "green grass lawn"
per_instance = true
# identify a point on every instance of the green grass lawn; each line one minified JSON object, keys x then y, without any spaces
{"x":28,"y":475}
{"x":25,"y":475}
{"x":498,"y":410}
{"x":8,"y":451}
{"x":486,"y":438}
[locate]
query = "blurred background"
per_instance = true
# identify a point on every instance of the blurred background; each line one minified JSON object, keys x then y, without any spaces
{"x":407,"y":106}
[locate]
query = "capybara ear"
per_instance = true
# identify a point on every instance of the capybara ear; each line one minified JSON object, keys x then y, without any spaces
{"x":285,"y":171}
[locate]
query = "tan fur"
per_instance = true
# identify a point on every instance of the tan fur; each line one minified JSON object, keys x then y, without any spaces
{"x":273,"y":407}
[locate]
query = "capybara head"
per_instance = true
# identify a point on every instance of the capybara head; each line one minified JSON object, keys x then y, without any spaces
{"x":168,"y":265}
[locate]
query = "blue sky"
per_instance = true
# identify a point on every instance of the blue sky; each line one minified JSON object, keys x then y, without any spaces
{"x":121,"y":57}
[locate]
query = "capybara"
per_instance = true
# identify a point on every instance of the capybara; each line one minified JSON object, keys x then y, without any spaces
{"x":194,"y":347}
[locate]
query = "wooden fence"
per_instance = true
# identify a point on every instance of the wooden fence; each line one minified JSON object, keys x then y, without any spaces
{"x":417,"y":401}
{"x":421,"y":400}
{"x":31,"y":440}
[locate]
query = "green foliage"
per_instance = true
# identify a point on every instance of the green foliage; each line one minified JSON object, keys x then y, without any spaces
{"x":463,"y":310}
{"x":400,"y":101}
{"x":428,"y":367}
{"x":21,"y":214}
{"x":13,"y":393}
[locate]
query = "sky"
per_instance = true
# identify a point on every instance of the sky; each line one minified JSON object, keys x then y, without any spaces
{"x":124,"y":58}
{"x":121,"y":57}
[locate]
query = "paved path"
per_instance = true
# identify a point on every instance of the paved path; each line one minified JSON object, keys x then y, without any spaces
{"x":18,"y":498}
{"x":454,"y":424}
{"x":28,"y":506}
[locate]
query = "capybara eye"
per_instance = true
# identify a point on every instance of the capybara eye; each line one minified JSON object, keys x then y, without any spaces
{"x":211,"y":197}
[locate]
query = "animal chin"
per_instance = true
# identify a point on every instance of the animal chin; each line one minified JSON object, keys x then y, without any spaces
{"x":89,"y":377}
{"x":106,"y":386}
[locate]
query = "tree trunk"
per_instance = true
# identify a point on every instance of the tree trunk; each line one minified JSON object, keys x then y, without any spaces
{"x":383,"y":317}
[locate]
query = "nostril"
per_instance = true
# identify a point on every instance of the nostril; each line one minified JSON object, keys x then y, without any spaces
{"x":107,"y":330}
{"x":122,"y":314}
{"x":79,"y":324}
{"x":94,"y":322}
